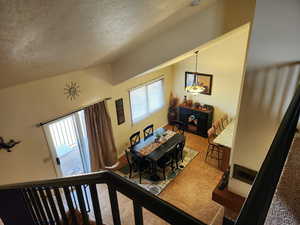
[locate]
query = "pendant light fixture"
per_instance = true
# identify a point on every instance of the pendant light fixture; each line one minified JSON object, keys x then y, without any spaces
{"x":195,"y":88}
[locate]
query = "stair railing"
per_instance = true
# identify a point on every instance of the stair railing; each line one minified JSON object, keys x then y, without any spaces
{"x":51,"y":201}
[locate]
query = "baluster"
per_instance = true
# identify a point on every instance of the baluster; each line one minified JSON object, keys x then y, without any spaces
{"x":35,"y":206}
{"x":88,"y":208}
{"x":70,"y":205}
{"x":84,"y":214}
{"x":53,"y":206}
{"x":138,"y":213}
{"x":61,"y":206}
{"x":114,"y":204}
{"x":46,"y":205}
{"x":96,"y":204}
{"x":29,"y":206}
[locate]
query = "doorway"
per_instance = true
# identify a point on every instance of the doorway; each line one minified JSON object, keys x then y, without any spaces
{"x":68,"y":142}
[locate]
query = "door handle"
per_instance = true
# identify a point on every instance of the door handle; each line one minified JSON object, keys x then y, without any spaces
{"x":57,"y":161}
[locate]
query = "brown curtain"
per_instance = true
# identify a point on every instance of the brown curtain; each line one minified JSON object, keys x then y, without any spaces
{"x":102,"y":146}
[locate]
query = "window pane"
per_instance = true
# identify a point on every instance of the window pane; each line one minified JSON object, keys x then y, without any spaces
{"x":138,"y":101}
{"x":155,"y":95}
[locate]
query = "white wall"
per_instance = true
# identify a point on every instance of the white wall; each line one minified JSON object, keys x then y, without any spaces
{"x":268,"y":87}
{"x":223,"y":58}
{"x":24,"y":106}
{"x":208,"y":24}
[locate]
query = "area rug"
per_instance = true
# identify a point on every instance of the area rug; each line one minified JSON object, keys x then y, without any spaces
{"x":156,"y":187}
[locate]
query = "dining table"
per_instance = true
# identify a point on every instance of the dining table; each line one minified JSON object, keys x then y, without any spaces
{"x":225,"y":141}
{"x":156,"y":146}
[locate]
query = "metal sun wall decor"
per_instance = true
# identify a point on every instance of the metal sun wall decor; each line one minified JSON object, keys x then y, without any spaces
{"x":8,"y":145}
{"x":72,"y":90}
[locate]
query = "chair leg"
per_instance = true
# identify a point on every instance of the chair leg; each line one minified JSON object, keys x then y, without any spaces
{"x":207,"y":152}
{"x":164,"y":172}
{"x":140,"y":174}
{"x":219,"y":159}
{"x":130,"y":171}
{"x":181,"y":155}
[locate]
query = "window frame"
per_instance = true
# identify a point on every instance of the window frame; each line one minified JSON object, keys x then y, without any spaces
{"x":146,"y":84}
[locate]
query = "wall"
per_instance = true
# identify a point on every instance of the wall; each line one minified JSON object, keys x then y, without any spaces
{"x":26,"y":105}
{"x":268,"y":86}
{"x":208,"y":24}
{"x":224,"y":58}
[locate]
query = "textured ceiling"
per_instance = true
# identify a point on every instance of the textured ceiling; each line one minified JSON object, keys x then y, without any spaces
{"x":42,"y":38}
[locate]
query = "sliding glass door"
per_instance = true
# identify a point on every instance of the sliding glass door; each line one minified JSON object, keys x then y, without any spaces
{"x":68,"y":142}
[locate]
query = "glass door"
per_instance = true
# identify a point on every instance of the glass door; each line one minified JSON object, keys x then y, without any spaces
{"x":68,"y":142}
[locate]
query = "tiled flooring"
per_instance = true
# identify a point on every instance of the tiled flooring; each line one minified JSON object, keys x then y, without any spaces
{"x":190,"y":191}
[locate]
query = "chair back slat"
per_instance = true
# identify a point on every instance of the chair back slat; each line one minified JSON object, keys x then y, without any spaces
{"x":148,"y":131}
{"x":135,"y":138}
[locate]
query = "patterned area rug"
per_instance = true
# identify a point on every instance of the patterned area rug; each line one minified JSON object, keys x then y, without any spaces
{"x":156,"y":187}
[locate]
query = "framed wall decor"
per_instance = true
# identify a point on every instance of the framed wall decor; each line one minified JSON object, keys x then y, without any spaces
{"x":205,"y":80}
{"x":120,"y":111}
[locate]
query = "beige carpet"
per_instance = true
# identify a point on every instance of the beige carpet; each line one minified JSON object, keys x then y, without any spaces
{"x":285,"y":206}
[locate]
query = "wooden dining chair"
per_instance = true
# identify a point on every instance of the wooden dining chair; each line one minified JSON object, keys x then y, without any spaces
{"x":178,"y":152}
{"x":136,"y":163}
{"x":165,"y":162}
{"x":148,"y":131}
{"x":225,"y":121}
{"x":178,"y":127}
{"x":135,"y":139}
{"x":217,"y":125}
{"x":213,"y":147}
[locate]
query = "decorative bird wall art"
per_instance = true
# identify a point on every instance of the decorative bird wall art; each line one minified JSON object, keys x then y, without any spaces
{"x":8,"y":145}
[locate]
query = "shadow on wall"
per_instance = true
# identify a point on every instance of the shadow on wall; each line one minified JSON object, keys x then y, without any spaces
{"x":244,"y":10}
{"x":270,"y":90}
{"x":267,"y":93}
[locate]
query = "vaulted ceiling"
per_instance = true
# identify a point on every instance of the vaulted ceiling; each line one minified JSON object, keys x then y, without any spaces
{"x":39,"y":39}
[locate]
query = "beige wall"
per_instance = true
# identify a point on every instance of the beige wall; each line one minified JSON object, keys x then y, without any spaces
{"x":210,"y":23}
{"x":25,"y":105}
{"x":268,"y":88}
{"x":224,"y":58}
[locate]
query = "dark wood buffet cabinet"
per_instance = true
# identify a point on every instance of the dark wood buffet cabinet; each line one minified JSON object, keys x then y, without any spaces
{"x":196,"y":120}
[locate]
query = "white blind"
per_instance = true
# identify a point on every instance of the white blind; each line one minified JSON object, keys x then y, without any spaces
{"x":146,"y":99}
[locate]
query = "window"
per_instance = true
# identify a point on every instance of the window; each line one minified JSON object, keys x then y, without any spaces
{"x":146,"y":99}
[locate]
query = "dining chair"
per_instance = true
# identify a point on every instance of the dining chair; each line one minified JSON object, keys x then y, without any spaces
{"x":135,"y":139}
{"x":148,"y":131}
{"x":136,"y":163}
{"x":217,"y":125}
{"x":225,"y":121}
{"x":166,"y":161}
{"x":178,"y":127}
{"x":213,"y":147}
{"x":178,"y":152}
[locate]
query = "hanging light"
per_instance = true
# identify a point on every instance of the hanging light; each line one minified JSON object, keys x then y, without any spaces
{"x":195,"y":88}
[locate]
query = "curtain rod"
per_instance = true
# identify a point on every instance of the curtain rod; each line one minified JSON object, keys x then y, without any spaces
{"x":77,"y":110}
